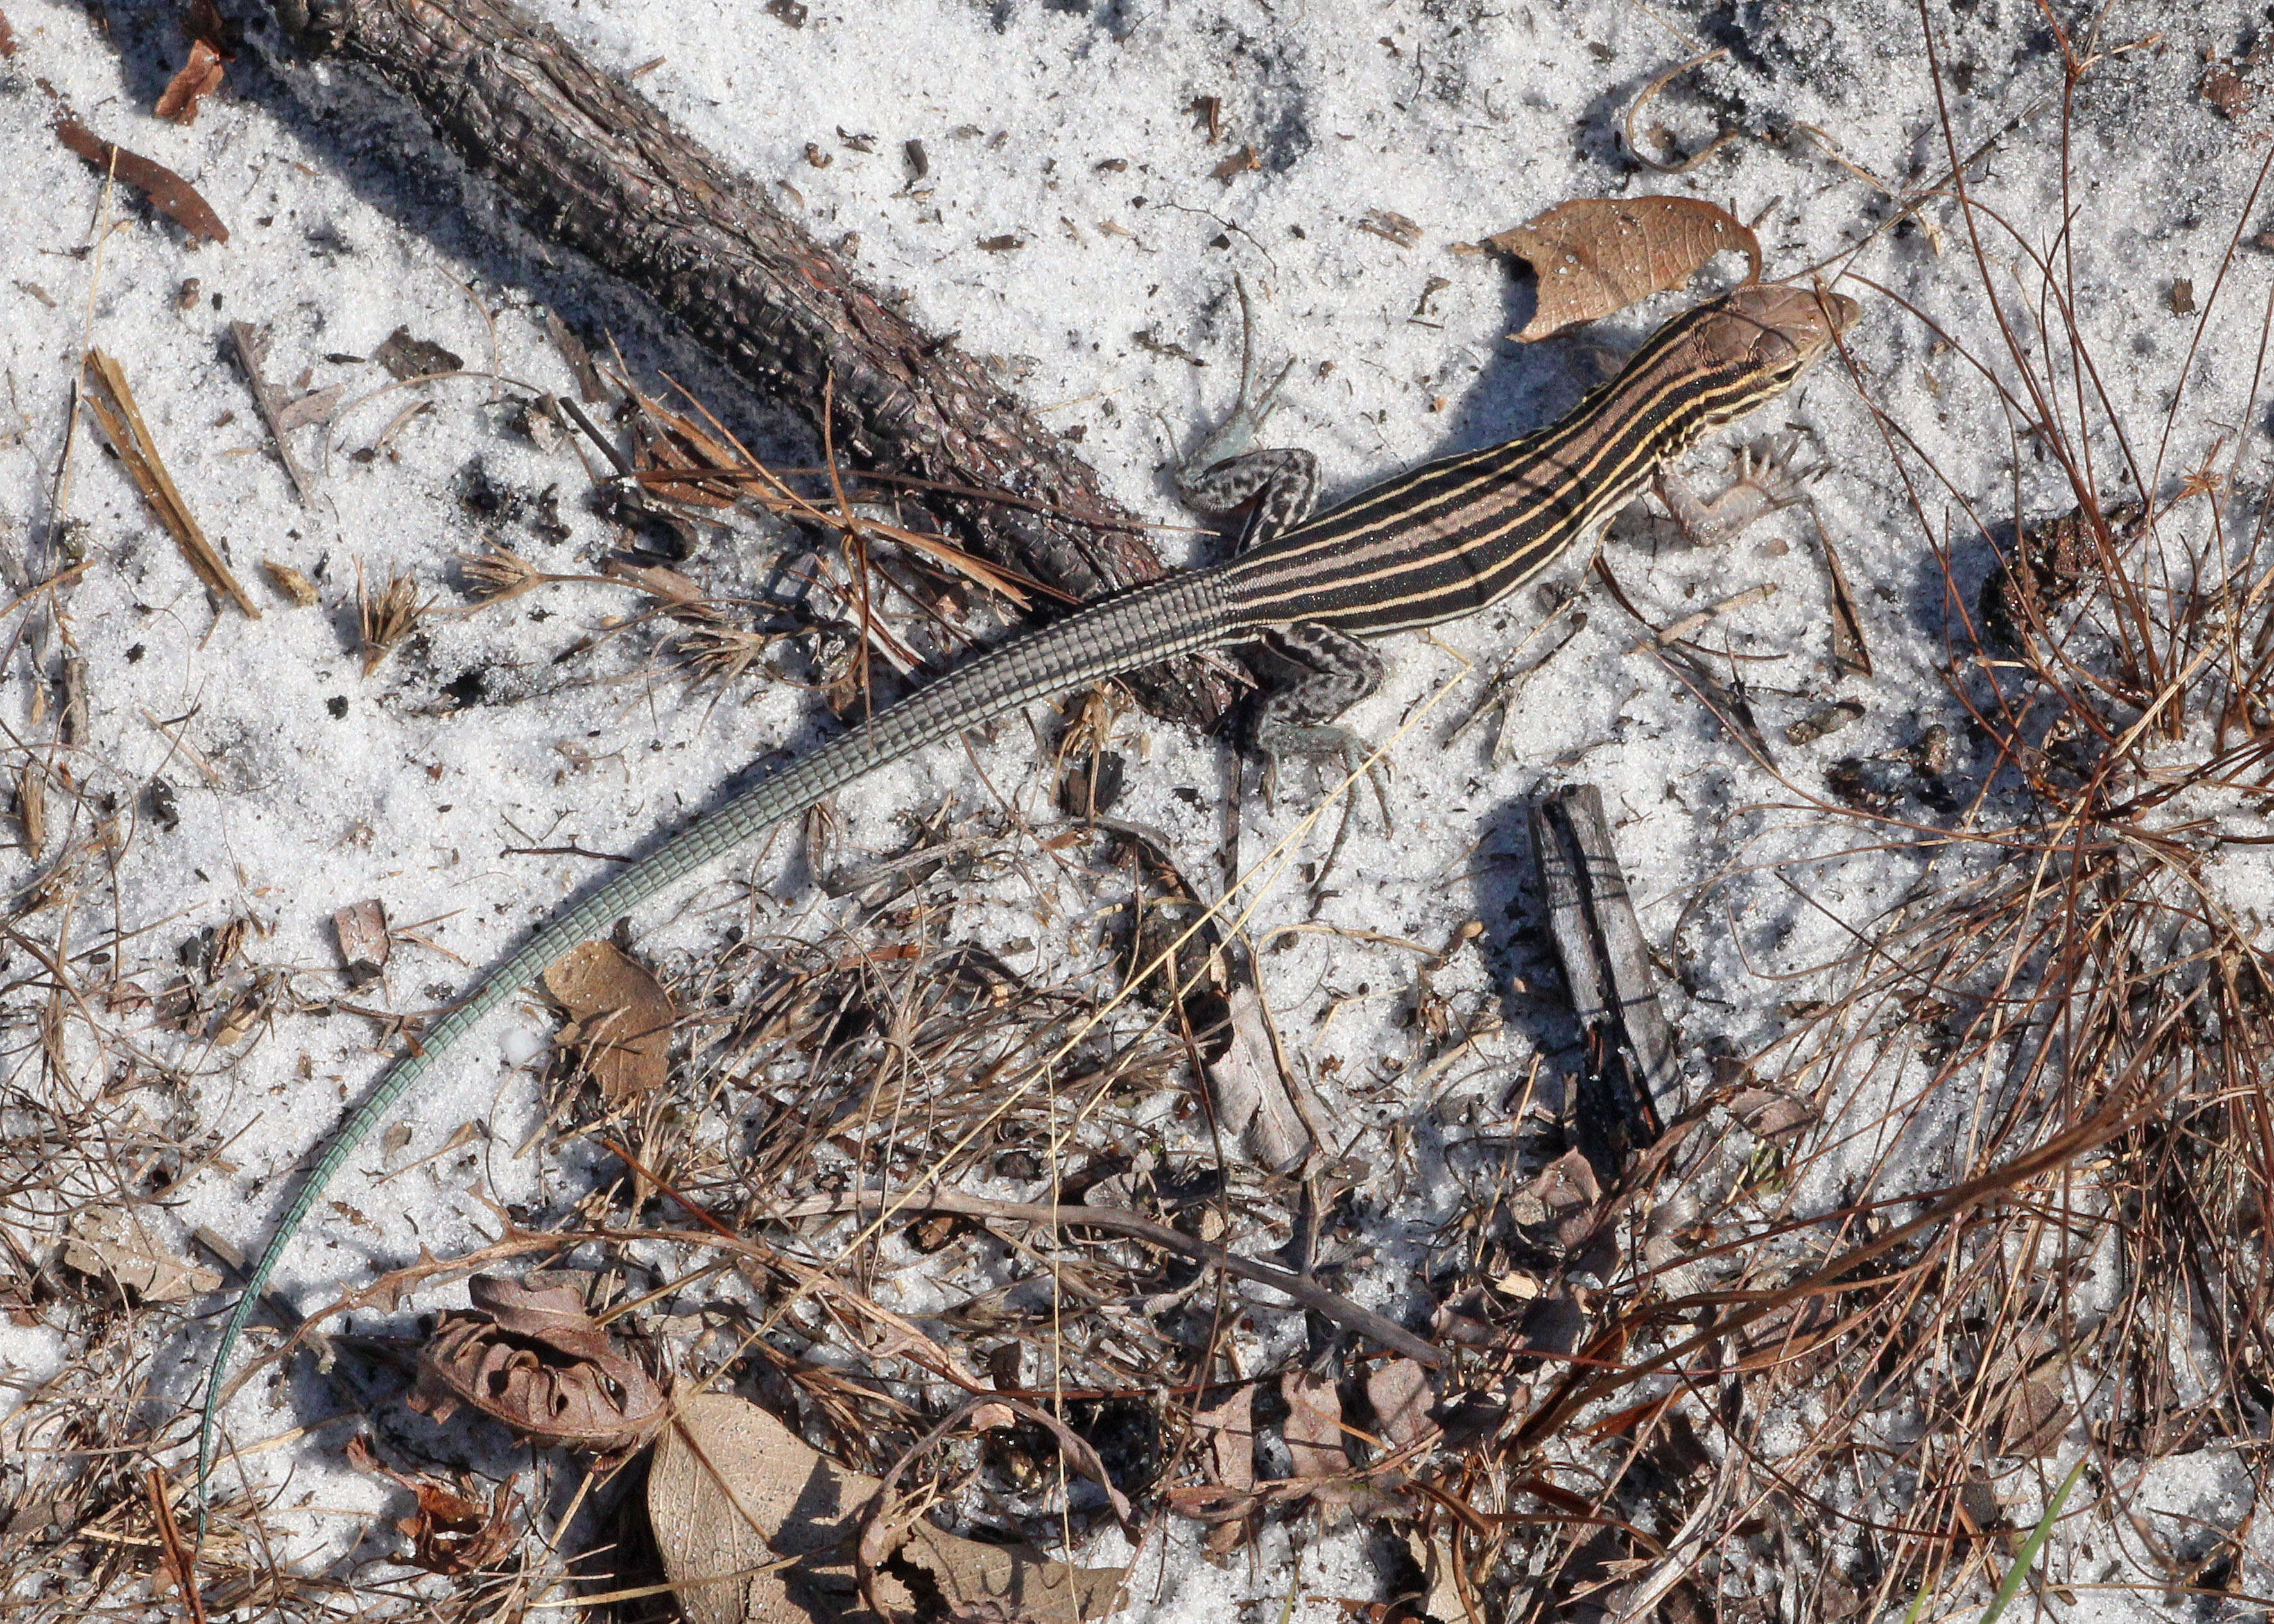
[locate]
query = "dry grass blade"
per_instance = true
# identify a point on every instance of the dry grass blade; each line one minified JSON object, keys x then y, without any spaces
{"x":112,"y":402}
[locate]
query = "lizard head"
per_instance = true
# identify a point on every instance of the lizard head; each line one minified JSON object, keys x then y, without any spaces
{"x":1773,"y":331}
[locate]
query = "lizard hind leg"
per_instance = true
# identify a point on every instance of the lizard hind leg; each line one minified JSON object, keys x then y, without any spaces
{"x":1325,"y":672}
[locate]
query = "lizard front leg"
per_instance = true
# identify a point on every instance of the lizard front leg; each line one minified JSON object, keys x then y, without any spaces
{"x":1228,"y":470}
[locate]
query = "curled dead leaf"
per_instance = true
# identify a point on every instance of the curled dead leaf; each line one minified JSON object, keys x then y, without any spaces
{"x":528,"y":1356}
{"x":1597,"y":255}
{"x":620,"y":1018}
{"x":199,"y":78}
{"x":754,"y":1527}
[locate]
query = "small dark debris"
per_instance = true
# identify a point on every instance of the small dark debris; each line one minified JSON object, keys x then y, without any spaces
{"x":1004,"y":244}
{"x":1878,"y":783}
{"x":468,"y":689}
{"x":163,"y":806}
{"x":486,"y":499}
{"x":790,"y":11}
{"x":337,"y":704}
{"x":1238,"y":163}
{"x":918,"y":166}
{"x":1092,"y":783}
{"x":406,"y":357}
{"x":2223,"y":87}
{"x":1144,"y":339}
{"x":546,"y":520}
{"x":2182,"y":297}
{"x":1822,"y":721}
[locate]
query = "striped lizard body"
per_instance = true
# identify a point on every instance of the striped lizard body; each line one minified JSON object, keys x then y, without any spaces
{"x":1444,"y":541}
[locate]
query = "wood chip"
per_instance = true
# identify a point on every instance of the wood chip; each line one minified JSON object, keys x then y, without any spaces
{"x":199,"y":77}
{"x":168,"y":192}
{"x":1390,"y":226}
{"x":406,"y":357}
{"x":290,"y":581}
{"x":1240,"y":163}
{"x":620,"y":1018}
{"x":1630,"y":1065}
{"x":1594,"y":255}
{"x":7,"y":39}
{"x":364,"y":943}
{"x":112,"y":402}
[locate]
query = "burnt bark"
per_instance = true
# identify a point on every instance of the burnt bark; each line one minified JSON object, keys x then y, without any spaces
{"x":590,"y":165}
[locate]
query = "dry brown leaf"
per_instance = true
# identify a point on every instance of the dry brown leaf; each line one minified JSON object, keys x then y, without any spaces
{"x":527,"y":1355}
{"x":169,"y":193}
{"x":109,"y":1243}
{"x":364,"y":943}
{"x":1313,"y":1427}
{"x":1568,"y":1195}
{"x":1229,"y":1430}
{"x":7,"y":39}
{"x":622,"y":1018}
{"x":1400,"y":1393}
{"x":1251,"y":1094}
{"x":732,"y":1493}
{"x":1597,"y":255}
{"x":199,"y":77}
{"x":1771,"y":1113}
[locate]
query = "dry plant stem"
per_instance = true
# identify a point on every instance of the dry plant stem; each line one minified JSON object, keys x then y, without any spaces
{"x":1308,"y":1292}
{"x":596,"y":168}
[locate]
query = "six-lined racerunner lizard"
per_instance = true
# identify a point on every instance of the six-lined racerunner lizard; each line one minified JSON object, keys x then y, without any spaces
{"x":1444,"y":541}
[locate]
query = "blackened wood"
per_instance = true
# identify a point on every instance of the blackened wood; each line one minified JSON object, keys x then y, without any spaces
{"x":1598,"y":943}
{"x":590,"y":165}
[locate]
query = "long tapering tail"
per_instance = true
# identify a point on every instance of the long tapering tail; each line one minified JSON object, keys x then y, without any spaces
{"x":1153,"y":623}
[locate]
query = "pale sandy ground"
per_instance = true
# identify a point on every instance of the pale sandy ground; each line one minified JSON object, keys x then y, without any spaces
{"x":303,"y":787}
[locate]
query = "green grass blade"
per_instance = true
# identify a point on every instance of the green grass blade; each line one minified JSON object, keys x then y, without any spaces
{"x":2030,"y":1548}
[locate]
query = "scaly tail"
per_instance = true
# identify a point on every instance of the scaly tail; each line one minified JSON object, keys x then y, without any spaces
{"x":1172,"y":617}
